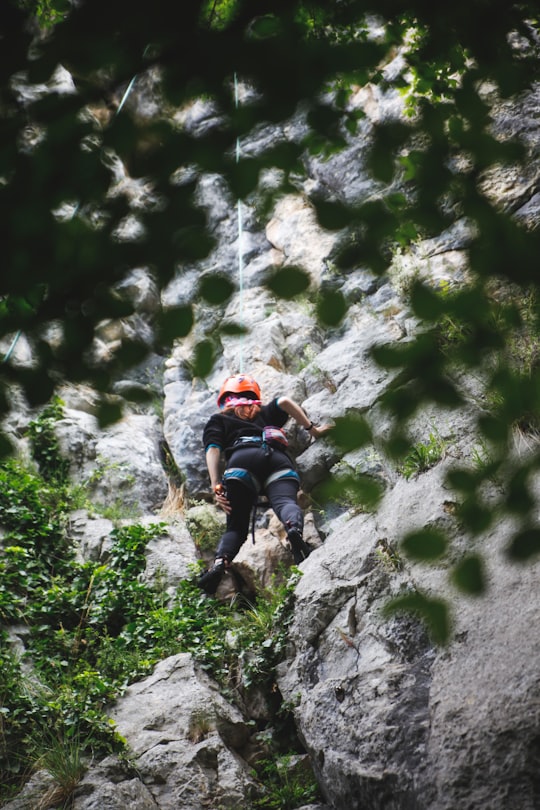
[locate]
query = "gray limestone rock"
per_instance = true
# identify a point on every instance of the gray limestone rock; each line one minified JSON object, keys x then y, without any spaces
{"x":185,"y":738}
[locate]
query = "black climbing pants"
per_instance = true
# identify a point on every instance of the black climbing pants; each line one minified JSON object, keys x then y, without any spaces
{"x":262,"y":463}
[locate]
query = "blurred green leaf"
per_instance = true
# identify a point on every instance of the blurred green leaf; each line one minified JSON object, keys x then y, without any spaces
{"x":525,"y":545}
{"x":519,"y":499}
{"x":231,"y":328}
{"x":333,"y":215}
{"x":397,"y":445}
{"x":216,"y":288}
{"x":352,"y":491}
{"x":135,"y":393}
{"x":175,"y":322}
{"x":108,"y":413}
{"x":6,"y":447}
{"x":243,"y":177}
{"x":425,"y":545}
{"x":265,"y":26}
{"x":475,"y":516}
{"x":192,"y":243}
{"x":37,"y":385}
{"x":288,"y":282}
{"x":425,"y":302}
{"x":350,"y":432}
{"x":324,"y":118}
{"x":331,"y":307}
{"x":203,"y":359}
{"x":382,"y":158}
{"x":468,"y":575}
{"x":462,"y":480}
{"x":130,"y":353}
{"x":433,"y":612}
{"x":493,"y":428}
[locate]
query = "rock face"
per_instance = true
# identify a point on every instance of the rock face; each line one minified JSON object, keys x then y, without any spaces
{"x":184,"y":736}
{"x":388,"y":719}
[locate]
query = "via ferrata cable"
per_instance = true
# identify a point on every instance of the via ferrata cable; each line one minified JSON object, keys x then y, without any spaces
{"x":12,"y":347}
{"x":239,"y":242}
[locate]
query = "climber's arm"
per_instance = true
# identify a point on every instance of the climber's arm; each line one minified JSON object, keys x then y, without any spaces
{"x":213,"y":457}
{"x":298,"y":414}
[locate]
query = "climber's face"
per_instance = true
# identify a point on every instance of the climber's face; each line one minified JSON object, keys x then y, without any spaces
{"x":247,"y":411}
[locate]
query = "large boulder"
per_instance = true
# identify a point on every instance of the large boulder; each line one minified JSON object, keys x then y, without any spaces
{"x":120,"y":466}
{"x":186,"y":742}
{"x":389,"y":718}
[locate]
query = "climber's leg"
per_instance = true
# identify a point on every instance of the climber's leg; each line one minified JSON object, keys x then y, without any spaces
{"x":241,"y":499}
{"x":210,"y":579}
{"x":282,"y":494}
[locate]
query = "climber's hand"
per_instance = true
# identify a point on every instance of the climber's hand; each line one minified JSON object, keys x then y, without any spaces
{"x":319,"y":430}
{"x":221,"y":498}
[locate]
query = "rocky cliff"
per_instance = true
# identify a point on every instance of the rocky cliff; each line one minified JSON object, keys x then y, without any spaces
{"x":388,"y":718}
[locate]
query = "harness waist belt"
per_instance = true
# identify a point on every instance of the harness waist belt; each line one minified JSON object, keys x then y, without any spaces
{"x":273,"y":436}
{"x":247,"y":440}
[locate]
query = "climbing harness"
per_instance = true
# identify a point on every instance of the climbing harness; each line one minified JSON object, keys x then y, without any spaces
{"x":272,"y":435}
{"x":271,"y":438}
{"x":252,"y":483}
{"x":244,"y":476}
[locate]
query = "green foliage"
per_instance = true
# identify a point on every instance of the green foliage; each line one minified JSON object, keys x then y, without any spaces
{"x":17,"y":713}
{"x":95,"y":627}
{"x":288,"y":282}
{"x":62,"y":758}
{"x":34,"y":543}
{"x":48,"y":12}
{"x":433,"y":612}
{"x":239,"y":649}
{"x":204,"y":525}
{"x":357,"y":491}
{"x":218,"y":13}
{"x":310,"y":48}
{"x":469,"y":576}
{"x":285,"y":786}
{"x":61,"y":270}
{"x":423,"y":455}
{"x":350,"y":432}
{"x":216,"y":289}
{"x":71,"y":611}
{"x":425,"y":544}
{"x":331,"y":307}
{"x":45,"y":445}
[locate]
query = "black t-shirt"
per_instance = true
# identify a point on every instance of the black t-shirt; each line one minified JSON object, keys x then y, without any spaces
{"x":223,"y":429}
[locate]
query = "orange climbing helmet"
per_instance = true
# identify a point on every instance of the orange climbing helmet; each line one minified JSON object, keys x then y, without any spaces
{"x":242,"y":385}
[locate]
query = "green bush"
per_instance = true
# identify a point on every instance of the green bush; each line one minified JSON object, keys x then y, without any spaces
{"x":93,"y":628}
{"x":45,"y":445}
{"x":284,"y":785}
{"x":423,"y":455}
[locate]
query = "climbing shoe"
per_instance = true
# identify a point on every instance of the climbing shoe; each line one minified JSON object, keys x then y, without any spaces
{"x":300,"y":549}
{"x":210,"y":579}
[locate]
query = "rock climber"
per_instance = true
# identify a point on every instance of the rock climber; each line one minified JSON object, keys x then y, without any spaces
{"x":250,"y":436}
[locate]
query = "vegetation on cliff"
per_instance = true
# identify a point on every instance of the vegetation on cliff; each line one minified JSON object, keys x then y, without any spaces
{"x":64,"y":251}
